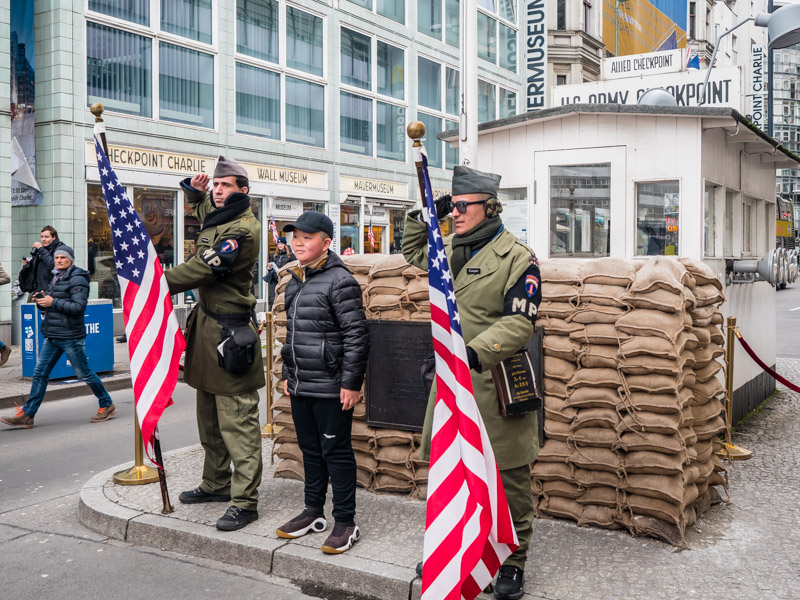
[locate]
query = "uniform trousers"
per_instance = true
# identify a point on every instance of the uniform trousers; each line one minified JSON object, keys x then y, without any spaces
{"x":230,"y":433}
{"x":517,"y":485}
{"x":323,"y":434}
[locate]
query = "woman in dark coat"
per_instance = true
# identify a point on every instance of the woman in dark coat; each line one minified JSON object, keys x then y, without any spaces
{"x":280,"y":258}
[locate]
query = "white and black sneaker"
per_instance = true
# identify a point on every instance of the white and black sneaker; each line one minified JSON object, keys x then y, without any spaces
{"x":308,"y":521}
{"x":342,"y":538}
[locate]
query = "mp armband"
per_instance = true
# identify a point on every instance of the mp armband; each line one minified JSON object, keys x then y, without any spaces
{"x":222,"y":256}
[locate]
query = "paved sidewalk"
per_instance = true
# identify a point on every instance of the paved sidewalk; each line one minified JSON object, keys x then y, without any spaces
{"x":744,"y":549}
{"x":15,"y":388}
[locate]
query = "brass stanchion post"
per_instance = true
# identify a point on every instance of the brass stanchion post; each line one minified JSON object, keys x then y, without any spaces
{"x":269,"y":430}
{"x":731,"y":451}
{"x":139,"y":473}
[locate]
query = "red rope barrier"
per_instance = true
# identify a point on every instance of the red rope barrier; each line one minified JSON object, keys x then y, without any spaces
{"x":763,"y":365}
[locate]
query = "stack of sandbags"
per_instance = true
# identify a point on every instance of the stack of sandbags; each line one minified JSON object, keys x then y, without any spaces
{"x":387,"y":459}
{"x":622,"y":447}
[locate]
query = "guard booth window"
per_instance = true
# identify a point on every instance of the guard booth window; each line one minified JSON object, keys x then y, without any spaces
{"x":580,"y":210}
{"x":657,"y":218}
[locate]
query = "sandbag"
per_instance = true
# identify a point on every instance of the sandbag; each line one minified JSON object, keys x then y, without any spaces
{"x":649,"y":422}
{"x":596,"y":313}
{"x":609,"y":378}
{"x":609,"y":271}
{"x":657,"y":463}
{"x":599,"y":459}
{"x":645,"y":365}
{"x":592,"y":478}
{"x":633,"y":441}
{"x":595,"y":417}
{"x":564,"y":489}
{"x":556,"y":430}
{"x":556,"y":408}
{"x":651,"y":323}
{"x":660,"y":299}
{"x":597,"y":333}
{"x":663,"y":487}
{"x":556,"y":506}
{"x":558,"y":310}
{"x":388,"y":265}
{"x":600,"y":496}
{"x":560,"y":270}
{"x":598,"y":516}
{"x":366,"y":461}
{"x":361,"y":263}
{"x":387,"y":483}
{"x":398,"y":455}
{"x":598,"y":356}
{"x":606,"y":295}
{"x":554,"y":387}
{"x":598,"y":437}
{"x":653,"y":346}
{"x":668,"y":403}
{"x":411,"y":273}
{"x":557,"y":368}
{"x":561,"y":347}
{"x":551,"y":471}
{"x":554,"y":326}
{"x":288,"y":468}
{"x":660,"y":273}
{"x":393,"y":437}
{"x":559,"y":292}
{"x":702,"y":273}
{"x":391,"y":286}
{"x":554,"y":451}
{"x":592,"y":397}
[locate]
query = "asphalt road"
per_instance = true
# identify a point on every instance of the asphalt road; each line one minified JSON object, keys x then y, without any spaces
{"x":48,"y":554}
{"x":787,"y":313}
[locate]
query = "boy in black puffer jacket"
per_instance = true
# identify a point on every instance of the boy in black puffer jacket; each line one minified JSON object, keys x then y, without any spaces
{"x":324,"y":360}
{"x":64,"y":333}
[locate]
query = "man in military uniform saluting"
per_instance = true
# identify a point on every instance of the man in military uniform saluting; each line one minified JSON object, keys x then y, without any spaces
{"x":223,"y":352}
{"x":496,"y":282}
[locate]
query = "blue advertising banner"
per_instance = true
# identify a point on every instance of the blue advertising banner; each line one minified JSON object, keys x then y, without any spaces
{"x":24,"y":187}
{"x":99,"y":323}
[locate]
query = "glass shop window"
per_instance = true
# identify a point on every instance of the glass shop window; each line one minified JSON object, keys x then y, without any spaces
{"x":348,"y":221}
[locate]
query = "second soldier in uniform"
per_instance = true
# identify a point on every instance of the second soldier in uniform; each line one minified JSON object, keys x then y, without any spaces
{"x":223,"y":351}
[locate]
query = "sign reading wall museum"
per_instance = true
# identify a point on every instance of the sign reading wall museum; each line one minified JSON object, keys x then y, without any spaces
{"x":686,"y":87}
{"x":172,"y":162}
{"x":535,"y":58}
{"x":636,"y":65}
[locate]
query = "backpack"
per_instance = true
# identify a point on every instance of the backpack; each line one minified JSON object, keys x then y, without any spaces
{"x":27,"y":275}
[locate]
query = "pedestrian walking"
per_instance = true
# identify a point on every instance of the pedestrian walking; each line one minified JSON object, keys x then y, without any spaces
{"x":63,"y":305}
{"x":5,"y":351}
{"x":497,"y":289}
{"x":325,"y":357}
{"x":36,"y":272}
{"x":277,"y":260}
{"x":223,"y":350}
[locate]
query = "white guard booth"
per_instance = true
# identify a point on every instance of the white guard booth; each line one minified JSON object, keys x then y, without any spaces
{"x":634,"y":181}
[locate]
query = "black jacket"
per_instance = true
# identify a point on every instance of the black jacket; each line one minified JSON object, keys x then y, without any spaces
{"x":326,"y":332}
{"x":45,"y":263}
{"x":281,"y":259}
{"x":63,"y":320}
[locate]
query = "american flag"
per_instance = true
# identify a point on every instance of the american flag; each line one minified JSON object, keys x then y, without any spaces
{"x":370,"y":233}
{"x":468,"y":526}
{"x":155,"y":340}
{"x":273,"y":228}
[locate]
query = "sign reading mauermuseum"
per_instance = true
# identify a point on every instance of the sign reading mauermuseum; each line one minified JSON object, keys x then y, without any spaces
{"x":535,"y":55}
{"x":172,"y":162}
{"x":360,"y":186}
{"x":635,"y":65}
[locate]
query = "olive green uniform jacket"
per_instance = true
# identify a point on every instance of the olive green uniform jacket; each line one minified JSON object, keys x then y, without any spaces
{"x":226,"y":296}
{"x":480,"y":289}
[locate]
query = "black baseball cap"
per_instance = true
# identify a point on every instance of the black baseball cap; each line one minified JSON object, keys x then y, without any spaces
{"x":312,"y":221}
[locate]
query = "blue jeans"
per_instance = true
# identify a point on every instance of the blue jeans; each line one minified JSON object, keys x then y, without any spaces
{"x":51,"y":351}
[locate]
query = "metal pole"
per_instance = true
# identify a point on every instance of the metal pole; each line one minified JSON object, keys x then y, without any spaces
{"x":139,"y":473}
{"x":269,"y":430}
{"x":703,"y":97}
{"x":468,"y":79}
{"x":731,"y":451}
{"x":770,"y":93}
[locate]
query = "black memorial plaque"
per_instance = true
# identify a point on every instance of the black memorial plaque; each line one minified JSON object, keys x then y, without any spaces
{"x":396,"y":396}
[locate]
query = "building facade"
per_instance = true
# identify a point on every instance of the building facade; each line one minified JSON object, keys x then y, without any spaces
{"x":313,"y":97}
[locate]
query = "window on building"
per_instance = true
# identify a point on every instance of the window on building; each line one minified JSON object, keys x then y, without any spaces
{"x":432,"y":76}
{"x":187,"y":18}
{"x":397,"y":225}
{"x":709,"y":220}
{"x":429,"y":85}
{"x":747,"y":227}
{"x":136,"y":11}
{"x":305,"y":112}
{"x":304,"y":33}
{"x":119,"y":63}
{"x":450,"y":151}
{"x":657,"y":218}
{"x":561,"y":15}
{"x":692,"y":19}
{"x":429,"y":18}
{"x":257,"y":32}
{"x":727,"y":242}
{"x":349,"y":218}
{"x":580,"y":210}
{"x":258,"y":102}
{"x":371,"y":123}
{"x":587,"y":16}
{"x":452,"y":23}
{"x":487,"y":101}
{"x":508,"y":103}
{"x":186,"y":85}
{"x":391,"y":9}
{"x":119,"y":70}
{"x":452,"y":92}
{"x":561,"y":80}
{"x":497,"y":33}
{"x":487,"y":38}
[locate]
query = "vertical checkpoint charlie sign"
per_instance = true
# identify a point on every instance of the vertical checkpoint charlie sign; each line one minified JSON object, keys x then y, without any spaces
{"x":535,"y":55}
{"x":757,"y":88}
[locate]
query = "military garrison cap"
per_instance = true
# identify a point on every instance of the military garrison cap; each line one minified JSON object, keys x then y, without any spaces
{"x":229,"y":168}
{"x":472,"y":181}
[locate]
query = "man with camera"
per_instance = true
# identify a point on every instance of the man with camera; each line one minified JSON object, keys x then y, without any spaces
{"x":223,"y":351}
{"x":63,"y":305}
{"x":37,"y":271}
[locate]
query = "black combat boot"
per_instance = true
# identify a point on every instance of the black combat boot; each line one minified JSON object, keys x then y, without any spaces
{"x":509,"y":584}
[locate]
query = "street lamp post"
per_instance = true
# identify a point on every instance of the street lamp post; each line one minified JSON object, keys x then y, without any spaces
{"x":783,"y":30}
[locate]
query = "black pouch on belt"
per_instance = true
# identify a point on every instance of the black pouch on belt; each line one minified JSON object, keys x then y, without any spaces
{"x":238,"y":342}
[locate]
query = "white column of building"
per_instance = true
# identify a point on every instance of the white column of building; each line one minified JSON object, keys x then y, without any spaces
{"x":468,"y":122}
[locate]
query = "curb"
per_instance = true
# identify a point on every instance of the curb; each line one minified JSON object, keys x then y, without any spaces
{"x":301,"y":564}
{"x":116,"y":382}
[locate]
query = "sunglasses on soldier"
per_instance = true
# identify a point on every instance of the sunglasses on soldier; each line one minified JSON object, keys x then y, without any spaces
{"x":462,"y":205}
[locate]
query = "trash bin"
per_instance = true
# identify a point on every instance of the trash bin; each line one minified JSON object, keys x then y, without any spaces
{"x":99,"y":322}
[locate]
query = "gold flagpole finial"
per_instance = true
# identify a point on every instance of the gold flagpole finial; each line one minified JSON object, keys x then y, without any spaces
{"x":97,"y":110}
{"x":416,"y":130}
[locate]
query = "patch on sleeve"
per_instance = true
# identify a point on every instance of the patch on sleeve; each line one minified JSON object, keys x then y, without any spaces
{"x":534,"y":261}
{"x":222,"y":256}
{"x":525,"y":295}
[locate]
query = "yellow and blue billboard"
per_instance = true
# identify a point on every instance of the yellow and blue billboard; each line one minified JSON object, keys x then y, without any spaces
{"x":644,"y":26}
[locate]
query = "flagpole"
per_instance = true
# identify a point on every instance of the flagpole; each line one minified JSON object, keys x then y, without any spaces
{"x":416,"y":131}
{"x":162,"y":476}
{"x":139,"y":473}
